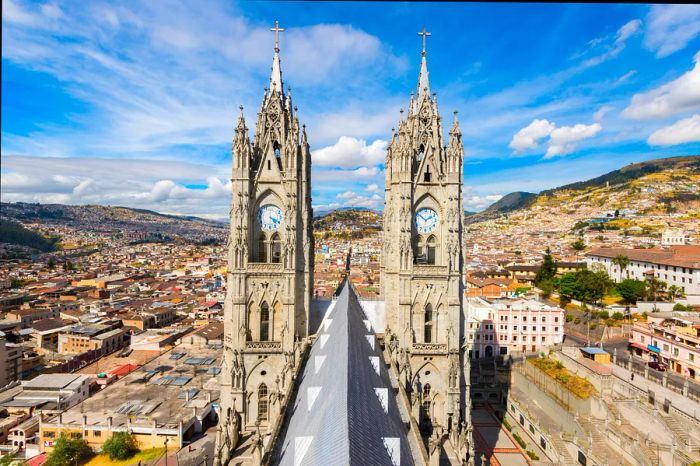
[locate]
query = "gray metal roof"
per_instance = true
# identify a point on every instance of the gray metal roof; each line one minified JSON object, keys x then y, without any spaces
{"x":345,"y":411}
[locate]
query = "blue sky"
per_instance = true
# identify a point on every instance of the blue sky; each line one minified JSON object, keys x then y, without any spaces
{"x":135,"y":103}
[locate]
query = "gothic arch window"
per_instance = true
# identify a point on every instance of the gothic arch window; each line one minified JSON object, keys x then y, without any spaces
{"x":426,"y":403}
{"x":264,"y":322}
{"x":428,"y":324}
{"x":278,"y":154}
{"x":262,"y":247}
{"x":431,"y":248}
{"x":275,"y":249}
{"x":263,"y":403}
{"x":421,"y":153}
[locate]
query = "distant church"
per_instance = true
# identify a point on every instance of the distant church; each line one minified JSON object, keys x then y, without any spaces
{"x":358,"y":388}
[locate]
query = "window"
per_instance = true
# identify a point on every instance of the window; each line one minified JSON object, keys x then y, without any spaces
{"x":556,"y":329}
{"x":262,"y":402}
{"x":262,"y":248}
{"x":556,"y":319}
{"x":427,"y":175}
{"x":264,"y":322}
{"x":544,"y":329}
{"x":675,"y":351}
{"x":430,"y":253}
{"x":49,"y":434}
{"x":544,"y":319}
{"x":665,"y":347}
{"x":97,"y":433}
{"x":275,"y":249}
{"x":691,"y":357}
{"x":426,"y":402}
{"x":524,"y":318}
{"x":428,"y":326}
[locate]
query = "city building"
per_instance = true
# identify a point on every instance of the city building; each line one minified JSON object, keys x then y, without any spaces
{"x":671,"y":338}
{"x":516,"y":325}
{"x":676,"y":265}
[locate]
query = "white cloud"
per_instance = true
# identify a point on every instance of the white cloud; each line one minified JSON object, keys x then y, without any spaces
{"x":626,"y":76}
{"x":563,"y":140}
{"x":600,"y":113}
{"x":372,"y":188}
{"x":529,"y":136}
{"x":350,"y":152}
{"x":353,"y":199}
{"x":477,"y":202}
{"x":671,"y":27}
{"x":682,"y":131}
{"x":618,"y":45}
{"x":678,"y":96}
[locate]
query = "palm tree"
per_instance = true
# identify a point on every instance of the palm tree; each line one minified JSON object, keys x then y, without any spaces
{"x":622,"y":262}
{"x":655,"y":287}
{"x":675,"y":292}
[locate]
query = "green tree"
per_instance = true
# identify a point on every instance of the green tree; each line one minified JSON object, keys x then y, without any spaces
{"x":618,"y":316}
{"x":655,"y":289}
{"x":69,"y":451}
{"x":547,"y":287}
{"x":622,"y":263}
{"x":585,"y":285}
{"x":120,"y":446}
{"x":631,"y":290}
{"x":675,"y":292}
{"x":579,"y":245}
{"x":548,"y":270}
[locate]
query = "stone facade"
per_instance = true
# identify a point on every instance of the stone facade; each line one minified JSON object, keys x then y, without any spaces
{"x":270,"y":254}
{"x":422,"y":264}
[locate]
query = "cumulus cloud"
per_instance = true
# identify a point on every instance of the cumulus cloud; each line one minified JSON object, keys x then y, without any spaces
{"x":529,"y":137}
{"x":562,"y":140}
{"x":354,"y":199}
{"x":372,"y":188}
{"x":682,"y":131}
{"x":477,"y":202}
{"x":671,"y":27}
{"x":351,"y":152}
{"x":678,"y":96}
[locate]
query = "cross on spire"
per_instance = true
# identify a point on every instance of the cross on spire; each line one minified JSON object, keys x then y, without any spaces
{"x":277,"y":29}
{"x":425,"y":34}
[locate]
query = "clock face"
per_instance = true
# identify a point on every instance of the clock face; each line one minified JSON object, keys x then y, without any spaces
{"x":426,"y":220}
{"x":270,"y":217}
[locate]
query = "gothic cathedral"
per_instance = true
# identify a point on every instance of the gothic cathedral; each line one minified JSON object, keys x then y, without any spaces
{"x":422,"y":264}
{"x":270,"y":265}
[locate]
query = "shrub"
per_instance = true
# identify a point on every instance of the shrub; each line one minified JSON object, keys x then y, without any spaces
{"x":610,"y":322}
{"x":69,"y":450}
{"x":618,"y":316}
{"x":569,"y":317}
{"x":559,"y":365}
{"x":593,"y":326}
{"x":507,"y":425}
{"x":120,"y":446}
{"x":519,"y":439}
{"x":532,"y":455}
{"x":577,"y":320}
{"x":604,"y":314}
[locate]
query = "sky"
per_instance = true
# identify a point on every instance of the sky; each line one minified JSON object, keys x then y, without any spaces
{"x":135,"y":103}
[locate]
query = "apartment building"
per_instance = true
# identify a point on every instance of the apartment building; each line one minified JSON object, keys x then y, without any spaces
{"x":672,"y":338}
{"x":676,"y":265}
{"x":512,"y":325}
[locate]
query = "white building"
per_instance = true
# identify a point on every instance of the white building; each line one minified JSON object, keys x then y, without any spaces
{"x":676,"y":265}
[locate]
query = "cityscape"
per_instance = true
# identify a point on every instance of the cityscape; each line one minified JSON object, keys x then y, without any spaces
{"x":263,"y":290}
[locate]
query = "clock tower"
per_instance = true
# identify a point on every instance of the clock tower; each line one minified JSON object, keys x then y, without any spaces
{"x":422,"y":265}
{"x":270,"y":265}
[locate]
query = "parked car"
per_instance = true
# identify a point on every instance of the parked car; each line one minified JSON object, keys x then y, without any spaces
{"x":659,"y":366}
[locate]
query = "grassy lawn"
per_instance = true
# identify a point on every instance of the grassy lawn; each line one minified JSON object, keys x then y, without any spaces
{"x":579,"y":386}
{"x":143,"y":456}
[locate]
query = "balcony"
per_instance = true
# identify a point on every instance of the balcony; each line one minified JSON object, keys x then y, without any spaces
{"x":263,"y":346}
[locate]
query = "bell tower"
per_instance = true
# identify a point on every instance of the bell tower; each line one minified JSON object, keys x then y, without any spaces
{"x":270,"y":264}
{"x":422,"y":264}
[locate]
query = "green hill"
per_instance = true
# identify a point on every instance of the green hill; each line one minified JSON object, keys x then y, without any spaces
{"x":14,"y":233}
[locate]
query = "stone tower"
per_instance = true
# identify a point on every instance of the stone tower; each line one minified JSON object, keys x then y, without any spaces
{"x":270,"y":265}
{"x":422,"y":265}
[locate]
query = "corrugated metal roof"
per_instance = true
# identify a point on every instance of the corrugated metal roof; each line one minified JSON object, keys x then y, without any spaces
{"x":345,"y":412}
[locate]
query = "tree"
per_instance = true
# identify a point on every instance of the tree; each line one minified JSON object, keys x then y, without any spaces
{"x":631,"y":290}
{"x":622,"y":263}
{"x":547,"y":286}
{"x":69,"y":451}
{"x":548,"y":270}
{"x":120,"y":446}
{"x":618,"y":316}
{"x":579,"y":245}
{"x":675,"y":292}
{"x":585,"y":285}
{"x":655,"y":288}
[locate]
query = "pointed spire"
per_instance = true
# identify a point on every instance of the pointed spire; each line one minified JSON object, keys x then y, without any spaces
{"x":276,"y":76}
{"x":241,"y":120}
{"x":455,"y":125}
{"x":423,"y":82}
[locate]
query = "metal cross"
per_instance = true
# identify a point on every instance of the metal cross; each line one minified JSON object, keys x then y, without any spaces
{"x":277,"y":29}
{"x":424,"y":33}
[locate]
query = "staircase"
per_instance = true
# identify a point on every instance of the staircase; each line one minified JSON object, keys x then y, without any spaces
{"x":564,"y":455}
